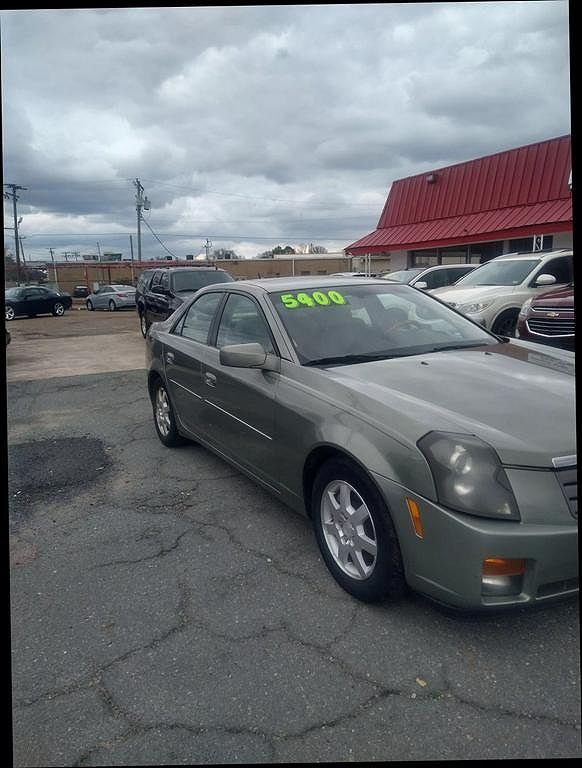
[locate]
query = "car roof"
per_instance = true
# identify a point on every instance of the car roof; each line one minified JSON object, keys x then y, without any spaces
{"x":293,"y":284}
{"x":524,"y":255}
{"x":436,"y":267}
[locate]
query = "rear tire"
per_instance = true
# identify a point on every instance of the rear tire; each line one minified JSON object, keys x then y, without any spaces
{"x":164,"y":419}
{"x":355,"y":533}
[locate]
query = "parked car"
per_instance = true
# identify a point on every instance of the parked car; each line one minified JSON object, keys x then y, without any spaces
{"x":549,"y":318}
{"x":35,"y":300}
{"x":429,"y":278}
{"x":81,"y":291}
{"x":351,"y":274}
{"x":420,"y":444}
{"x":494,"y":293}
{"x":112,"y":297}
{"x":159,"y":292}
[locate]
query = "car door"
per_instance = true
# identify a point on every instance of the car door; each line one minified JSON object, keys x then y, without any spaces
{"x":184,"y":351}
{"x":240,"y":412}
{"x":155,"y":301}
{"x":560,"y":267}
{"x":32,"y":302}
{"x":102,"y":297}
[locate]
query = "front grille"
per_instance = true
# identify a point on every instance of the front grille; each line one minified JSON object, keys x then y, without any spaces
{"x":567,"y":477}
{"x":551,"y":326}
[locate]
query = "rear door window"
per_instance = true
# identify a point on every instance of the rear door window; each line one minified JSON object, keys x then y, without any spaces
{"x":198,"y":318}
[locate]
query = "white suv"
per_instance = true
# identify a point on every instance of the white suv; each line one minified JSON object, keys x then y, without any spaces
{"x":493,"y":294}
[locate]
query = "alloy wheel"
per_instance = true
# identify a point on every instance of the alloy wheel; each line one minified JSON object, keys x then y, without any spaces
{"x":59,"y":309}
{"x":163,"y":411}
{"x":348,"y":529}
{"x":9,"y":313}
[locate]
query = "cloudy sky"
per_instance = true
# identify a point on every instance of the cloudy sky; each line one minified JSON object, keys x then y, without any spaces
{"x":260,"y":126}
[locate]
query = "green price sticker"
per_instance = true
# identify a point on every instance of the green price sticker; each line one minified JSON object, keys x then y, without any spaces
{"x":315,"y":299}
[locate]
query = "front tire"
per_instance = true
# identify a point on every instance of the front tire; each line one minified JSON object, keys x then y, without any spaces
{"x":355,"y":533}
{"x":143,"y":324}
{"x":164,"y":419}
{"x":90,"y":306}
{"x":112,"y":306}
{"x":58,"y":309}
{"x":506,"y":323}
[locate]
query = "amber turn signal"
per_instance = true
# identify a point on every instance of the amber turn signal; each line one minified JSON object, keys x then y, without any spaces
{"x":415,"y":517}
{"x":501,"y":566}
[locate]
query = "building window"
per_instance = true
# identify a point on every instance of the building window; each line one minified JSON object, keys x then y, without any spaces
{"x":479,"y":253}
{"x":527,"y":244}
{"x":456,"y":254}
{"x":426,"y":258}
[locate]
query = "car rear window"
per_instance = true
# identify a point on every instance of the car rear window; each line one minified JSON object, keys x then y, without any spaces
{"x":193,"y":280}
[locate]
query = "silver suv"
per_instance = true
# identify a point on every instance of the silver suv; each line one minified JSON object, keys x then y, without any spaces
{"x":494,"y":293}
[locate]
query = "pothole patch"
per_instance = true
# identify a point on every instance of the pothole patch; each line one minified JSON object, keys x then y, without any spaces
{"x":53,"y":467}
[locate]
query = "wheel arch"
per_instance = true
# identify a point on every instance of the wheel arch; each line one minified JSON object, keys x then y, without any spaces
{"x":513,"y":310}
{"x":316,"y":459}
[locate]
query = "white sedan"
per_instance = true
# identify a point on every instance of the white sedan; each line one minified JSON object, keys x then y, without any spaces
{"x":111,"y":297}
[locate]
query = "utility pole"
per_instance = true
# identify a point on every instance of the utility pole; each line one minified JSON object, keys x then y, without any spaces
{"x":54,"y":267}
{"x":207,"y":246}
{"x":131,"y":249}
{"x":14,"y":197}
{"x":140,"y":202}
{"x":99,"y":251}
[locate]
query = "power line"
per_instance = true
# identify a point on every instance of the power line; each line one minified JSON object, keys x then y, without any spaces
{"x":305,"y":203}
{"x":158,"y":239}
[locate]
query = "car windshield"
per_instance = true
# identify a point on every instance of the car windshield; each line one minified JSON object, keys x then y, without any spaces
{"x":403,"y":275}
{"x":503,"y":272}
{"x":359,"y":323}
{"x":192,"y":281}
{"x":123,"y":287}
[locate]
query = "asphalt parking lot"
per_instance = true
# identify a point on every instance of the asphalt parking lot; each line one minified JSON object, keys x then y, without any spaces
{"x":165,"y":610}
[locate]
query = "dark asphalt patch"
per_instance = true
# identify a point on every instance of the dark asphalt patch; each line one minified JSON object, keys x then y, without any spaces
{"x":49,"y":467}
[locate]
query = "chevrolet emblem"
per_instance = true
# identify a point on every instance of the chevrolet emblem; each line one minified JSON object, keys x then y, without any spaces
{"x":552,"y":314}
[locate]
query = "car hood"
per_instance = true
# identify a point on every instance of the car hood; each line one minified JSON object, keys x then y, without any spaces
{"x":459,"y":295}
{"x":514,"y":396}
{"x":559,"y":297}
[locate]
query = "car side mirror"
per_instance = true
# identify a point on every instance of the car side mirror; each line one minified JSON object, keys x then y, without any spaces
{"x":250,"y":355}
{"x":545,"y":280}
{"x":421,"y":284}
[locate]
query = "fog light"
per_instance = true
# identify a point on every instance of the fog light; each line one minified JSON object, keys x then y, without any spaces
{"x":502,"y":576}
{"x":415,"y":517}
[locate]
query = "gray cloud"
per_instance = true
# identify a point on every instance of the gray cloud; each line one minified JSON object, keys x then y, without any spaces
{"x":265,"y":124}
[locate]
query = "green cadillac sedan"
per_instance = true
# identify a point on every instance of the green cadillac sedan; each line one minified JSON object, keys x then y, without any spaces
{"x":428,"y":452}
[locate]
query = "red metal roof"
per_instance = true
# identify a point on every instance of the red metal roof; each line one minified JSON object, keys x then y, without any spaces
{"x":510,"y":194}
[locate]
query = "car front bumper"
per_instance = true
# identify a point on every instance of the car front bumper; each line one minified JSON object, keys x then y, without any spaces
{"x":446,"y":564}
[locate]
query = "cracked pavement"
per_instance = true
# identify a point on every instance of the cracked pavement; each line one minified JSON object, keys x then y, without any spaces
{"x":165,"y":610}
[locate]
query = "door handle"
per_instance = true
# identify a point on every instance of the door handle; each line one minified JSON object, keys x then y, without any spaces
{"x":210,"y":379}
{"x":169,"y":357}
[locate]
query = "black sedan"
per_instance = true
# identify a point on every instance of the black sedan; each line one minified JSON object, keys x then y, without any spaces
{"x":35,"y":300}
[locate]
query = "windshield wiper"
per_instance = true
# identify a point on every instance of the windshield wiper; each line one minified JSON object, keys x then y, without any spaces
{"x":348,"y":359}
{"x":458,"y":345}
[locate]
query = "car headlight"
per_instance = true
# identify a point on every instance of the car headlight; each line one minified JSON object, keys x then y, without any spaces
{"x":468,"y":475}
{"x":472,"y":309}
{"x":525,"y":307}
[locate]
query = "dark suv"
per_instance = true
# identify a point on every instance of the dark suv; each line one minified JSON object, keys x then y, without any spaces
{"x":159,"y":292}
